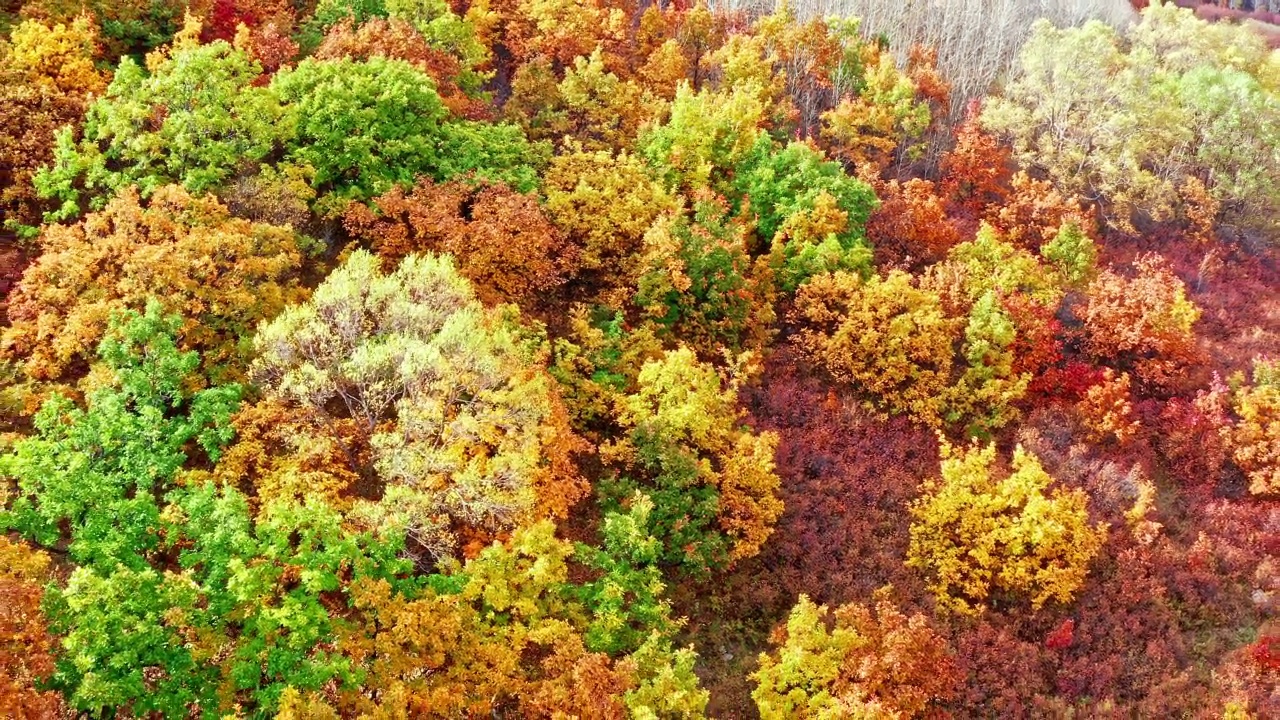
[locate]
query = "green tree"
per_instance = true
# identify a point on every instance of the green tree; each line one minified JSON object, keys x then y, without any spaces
{"x":193,"y":119}
{"x":97,"y":470}
{"x":626,"y":600}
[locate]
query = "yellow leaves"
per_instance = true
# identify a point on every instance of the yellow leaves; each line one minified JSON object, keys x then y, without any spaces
{"x":749,"y":504}
{"x":886,"y":337}
{"x":61,"y":55}
{"x":1256,"y":438}
{"x":605,"y":203}
{"x":680,"y":400}
{"x":868,"y":128}
{"x":976,"y":535}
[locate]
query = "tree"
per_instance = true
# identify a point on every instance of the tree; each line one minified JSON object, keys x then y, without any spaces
{"x":191,"y":119}
{"x":699,"y":284}
{"x":882,"y":119}
{"x":885,"y":337}
{"x":605,"y":203}
{"x":591,"y":105}
{"x":855,"y":662}
{"x":364,"y":125}
{"x":501,"y":239}
{"x":95,"y":471}
{"x":1144,"y":323}
{"x":26,"y":648}
{"x":783,"y":187}
{"x":1256,"y":437}
{"x":48,"y":78}
{"x":399,"y":39}
{"x":221,"y":275}
{"x":706,"y":136}
{"x":1129,"y":120}
{"x":975,"y":172}
{"x":505,"y":631}
{"x":1107,"y":408}
{"x":127,"y":28}
{"x":712,"y":483}
{"x":462,"y":419}
{"x":911,"y":225}
{"x":981,"y":538}
{"x":626,"y":600}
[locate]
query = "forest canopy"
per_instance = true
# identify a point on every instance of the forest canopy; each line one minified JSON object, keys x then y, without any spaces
{"x":635,"y":359}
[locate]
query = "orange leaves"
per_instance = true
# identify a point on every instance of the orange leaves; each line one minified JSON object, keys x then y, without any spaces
{"x":221,"y":274}
{"x":1107,"y":408}
{"x":975,"y":174}
{"x":1144,"y":322}
{"x":502,"y":240}
{"x":26,"y":648}
{"x":911,"y":225}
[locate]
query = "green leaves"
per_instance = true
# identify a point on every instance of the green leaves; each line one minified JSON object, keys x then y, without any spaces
{"x":201,"y":116}
{"x":626,"y":601}
{"x":195,"y":119}
{"x":100,"y":469}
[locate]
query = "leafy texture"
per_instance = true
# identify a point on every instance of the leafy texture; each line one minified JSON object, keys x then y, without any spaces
{"x":981,"y":538}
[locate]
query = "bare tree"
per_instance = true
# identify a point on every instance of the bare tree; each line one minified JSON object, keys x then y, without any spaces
{"x":977,"y":40}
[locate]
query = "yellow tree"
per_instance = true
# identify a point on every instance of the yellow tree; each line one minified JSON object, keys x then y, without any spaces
{"x":855,"y":662}
{"x":605,"y":203}
{"x":885,"y":337}
{"x":1256,"y":438}
{"x":980,"y":538}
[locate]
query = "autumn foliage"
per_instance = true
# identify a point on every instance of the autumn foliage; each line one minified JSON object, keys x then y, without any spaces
{"x":587,"y":359}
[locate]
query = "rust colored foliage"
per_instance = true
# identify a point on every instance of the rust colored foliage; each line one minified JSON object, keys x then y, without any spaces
{"x":911,"y":226}
{"x":1107,"y":408}
{"x":221,"y":274}
{"x":1034,"y":212}
{"x":976,"y":173}
{"x":1194,"y":435}
{"x":847,"y":479}
{"x":854,"y":662}
{"x":269,"y":44}
{"x":224,"y":17}
{"x":26,"y":648}
{"x":1144,"y":323}
{"x":502,"y":239}
{"x":399,"y":40}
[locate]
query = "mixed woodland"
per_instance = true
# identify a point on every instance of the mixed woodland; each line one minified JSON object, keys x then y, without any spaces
{"x":638,"y":358}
